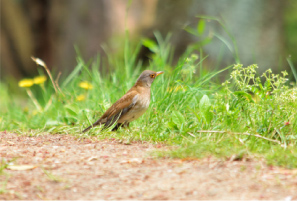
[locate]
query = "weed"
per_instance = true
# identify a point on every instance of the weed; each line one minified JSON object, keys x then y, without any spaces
{"x":51,"y":176}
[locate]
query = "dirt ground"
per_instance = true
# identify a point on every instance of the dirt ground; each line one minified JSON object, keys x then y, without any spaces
{"x":62,"y":167}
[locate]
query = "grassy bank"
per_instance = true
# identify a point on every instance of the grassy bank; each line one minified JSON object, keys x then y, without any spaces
{"x":249,"y":115}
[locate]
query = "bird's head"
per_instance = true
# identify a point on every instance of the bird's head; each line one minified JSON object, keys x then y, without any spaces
{"x":147,"y":77}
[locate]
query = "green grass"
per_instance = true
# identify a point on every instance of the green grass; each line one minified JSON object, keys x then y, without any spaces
{"x":3,"y":175}
{"x":247,"y":116}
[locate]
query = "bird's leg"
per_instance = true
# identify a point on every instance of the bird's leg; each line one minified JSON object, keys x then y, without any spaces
{"x":126,"y":125}
{"x":117,"y":126}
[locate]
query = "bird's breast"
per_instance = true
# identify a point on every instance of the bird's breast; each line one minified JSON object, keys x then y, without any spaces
{"x":138,"y":109}
{"x":144,"y":100}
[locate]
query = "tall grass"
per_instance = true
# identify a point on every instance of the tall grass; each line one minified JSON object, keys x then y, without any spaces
{"x":243,"y":117}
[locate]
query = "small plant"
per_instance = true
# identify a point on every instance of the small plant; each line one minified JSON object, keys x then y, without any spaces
{"x":256,"y":107}
{"x":3,"y":175}
{"x":52,"y":177}
{"x":247,"y":81}
{"x":3,"y":185}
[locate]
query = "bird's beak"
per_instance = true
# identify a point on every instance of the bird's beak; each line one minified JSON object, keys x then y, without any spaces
{"x":158,"y":73}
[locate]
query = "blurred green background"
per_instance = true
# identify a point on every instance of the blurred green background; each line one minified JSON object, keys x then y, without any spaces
{"x":264,"y":31}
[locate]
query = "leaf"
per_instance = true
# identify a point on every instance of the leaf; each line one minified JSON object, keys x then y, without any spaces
{"x":197,"y":116}
{"x":93,"y":158}
{"x":172,"y":125}
{"x":204,"y":103}
{"x":11,"y":143}
{"x":204,"y":106}
{"x":190,"y":30}
{"x":178,"y":118}
{"x":208,"y":116}
{"x":150,"y":44}
{"x":70,"y":120}
{"x":133,"y":160}
{"x":21,"y":167}
{"x":201,"y":26}
{"x":245,"y":95}
{"x":72,"y":109}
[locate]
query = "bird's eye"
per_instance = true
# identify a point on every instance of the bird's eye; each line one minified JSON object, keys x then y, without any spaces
{"x":152,"y":76}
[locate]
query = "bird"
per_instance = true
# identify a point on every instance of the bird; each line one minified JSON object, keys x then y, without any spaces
{"x":130,"y":106}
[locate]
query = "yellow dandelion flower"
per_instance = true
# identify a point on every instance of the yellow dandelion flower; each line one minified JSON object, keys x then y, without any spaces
{"x":81,"y":97}
{"x":39,"y":79}
{"x":26,"y":83}
{"x":85,"y":85}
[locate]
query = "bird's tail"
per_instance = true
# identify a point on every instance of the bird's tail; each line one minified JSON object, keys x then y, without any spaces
{"x":91,"y":126}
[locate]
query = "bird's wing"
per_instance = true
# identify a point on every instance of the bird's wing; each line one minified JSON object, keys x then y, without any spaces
{"x":119,"y":108}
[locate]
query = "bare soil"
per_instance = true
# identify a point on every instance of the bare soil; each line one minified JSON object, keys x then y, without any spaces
{"x":69,"y":168}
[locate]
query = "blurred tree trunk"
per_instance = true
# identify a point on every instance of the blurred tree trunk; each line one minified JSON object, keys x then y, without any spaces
{"x":16,"y":39}
{"x":77,"y":23}
{"x":257,"y":27}
{"x":49,"y":29}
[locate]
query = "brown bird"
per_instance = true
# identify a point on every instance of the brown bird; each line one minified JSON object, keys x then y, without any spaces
{"x":131,"y":106}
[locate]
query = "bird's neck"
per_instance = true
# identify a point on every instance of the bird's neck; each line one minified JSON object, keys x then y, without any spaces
{"x":141,"y":89}
{"x":142,"y":84}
